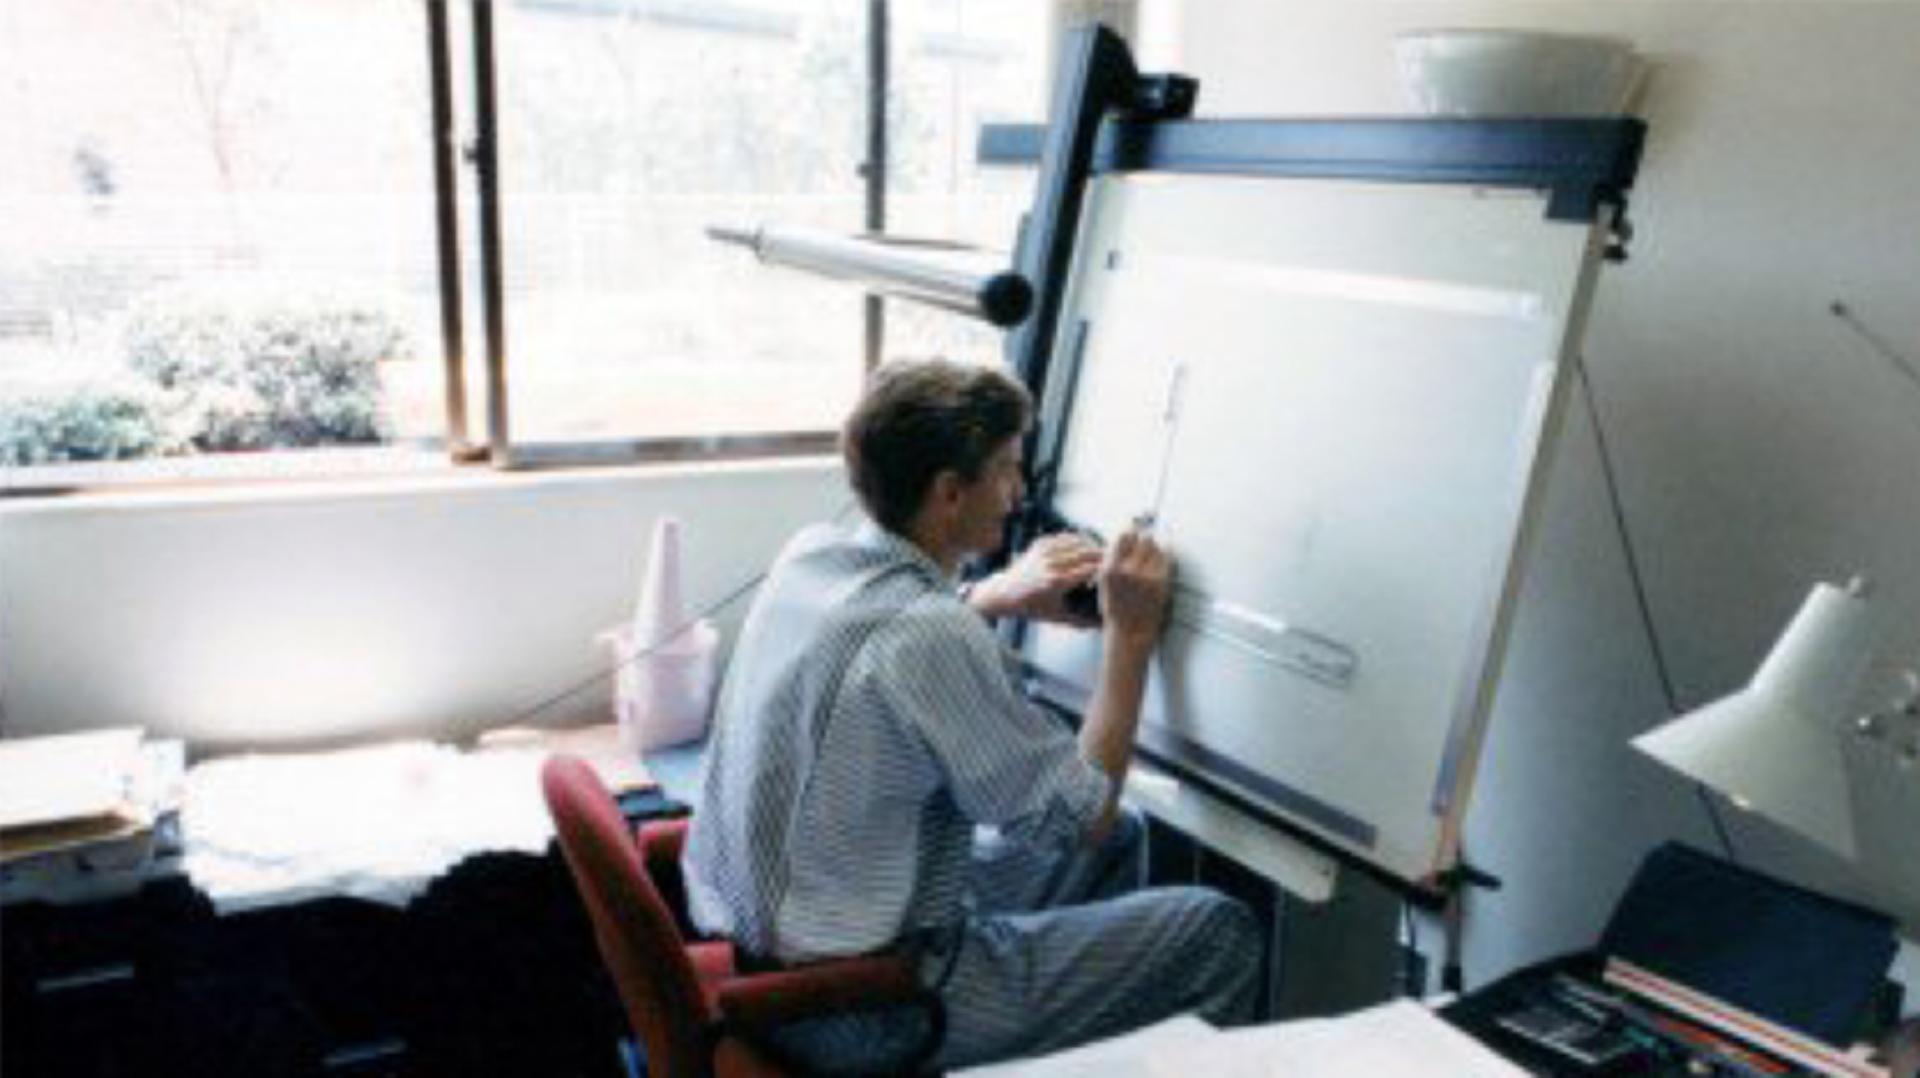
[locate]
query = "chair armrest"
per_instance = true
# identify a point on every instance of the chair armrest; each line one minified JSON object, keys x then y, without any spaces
{"x":661,"y":842}
{"x":764,"y":1000}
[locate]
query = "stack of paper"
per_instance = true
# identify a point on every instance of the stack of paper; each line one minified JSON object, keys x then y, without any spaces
{"x":71,"y":791}
{"x":1402,"y":1037}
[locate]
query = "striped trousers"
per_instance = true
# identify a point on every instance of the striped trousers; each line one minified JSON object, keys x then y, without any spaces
{"x":1059,"y":949}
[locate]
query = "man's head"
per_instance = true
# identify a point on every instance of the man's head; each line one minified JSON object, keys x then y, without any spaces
{"x":936,"y":445}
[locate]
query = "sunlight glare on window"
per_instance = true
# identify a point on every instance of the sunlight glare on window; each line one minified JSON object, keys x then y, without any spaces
{"x":219,"y":231}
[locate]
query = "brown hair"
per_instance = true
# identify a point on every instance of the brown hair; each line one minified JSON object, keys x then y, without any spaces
{"x":919,"y":418}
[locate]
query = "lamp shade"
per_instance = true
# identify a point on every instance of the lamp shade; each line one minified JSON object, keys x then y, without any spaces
{"x":1773,"y":747}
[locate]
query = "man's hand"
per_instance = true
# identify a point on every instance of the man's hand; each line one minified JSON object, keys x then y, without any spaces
{"x":1136,"y":582}
{"x":1036,"y":584}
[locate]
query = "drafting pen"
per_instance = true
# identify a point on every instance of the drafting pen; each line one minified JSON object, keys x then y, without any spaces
{"x":1169,"y":427}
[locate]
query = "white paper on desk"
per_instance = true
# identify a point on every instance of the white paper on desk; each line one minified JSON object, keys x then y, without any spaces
{"x":1162,"y":1050}
{"x":66,"y":776}
{"x":1395,"y":1038}
{"x":1402,"y":1037}
{"x":379,"y":823}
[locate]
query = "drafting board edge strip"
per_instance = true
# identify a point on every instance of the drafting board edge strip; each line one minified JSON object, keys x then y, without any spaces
{"x":1184,"y":750}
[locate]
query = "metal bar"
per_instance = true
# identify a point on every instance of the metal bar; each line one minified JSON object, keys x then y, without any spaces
{"x":447,"y":227}
{"x":874,"y":170}
{"x":1096,"y":73}
{"x":487,"y":164}
{"x":957,"y":279}
{"x":1583,"y":162}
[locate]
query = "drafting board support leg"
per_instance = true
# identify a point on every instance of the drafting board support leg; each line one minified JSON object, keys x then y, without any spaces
{"x":1455,"y":881}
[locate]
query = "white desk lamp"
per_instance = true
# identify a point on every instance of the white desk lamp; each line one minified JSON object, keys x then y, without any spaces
{"x":1774,"y":747}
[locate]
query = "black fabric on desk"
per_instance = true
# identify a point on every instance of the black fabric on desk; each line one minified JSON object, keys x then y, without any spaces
{"x":1806,"y":961}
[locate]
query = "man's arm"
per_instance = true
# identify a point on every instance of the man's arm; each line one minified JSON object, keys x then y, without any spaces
{"x":1036,"y":584}
{"x":1135,"y":582}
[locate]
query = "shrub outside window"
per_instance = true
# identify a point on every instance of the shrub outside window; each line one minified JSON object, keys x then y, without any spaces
{"x":204,"y":254}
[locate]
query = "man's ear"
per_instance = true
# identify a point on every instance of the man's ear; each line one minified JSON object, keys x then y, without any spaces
{"x":946,"y":491}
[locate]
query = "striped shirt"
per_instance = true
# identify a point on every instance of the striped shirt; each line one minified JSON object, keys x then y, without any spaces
{"x":869,"y":719}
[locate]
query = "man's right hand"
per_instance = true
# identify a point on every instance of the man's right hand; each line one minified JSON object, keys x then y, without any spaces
{"x":1136,"y":583}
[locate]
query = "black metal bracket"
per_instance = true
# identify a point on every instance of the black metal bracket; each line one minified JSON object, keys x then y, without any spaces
{"x":1097,"y":81}
{"x":1583,"y":163}
{"x":1463,"y":875}
{"x":1097,"y":78}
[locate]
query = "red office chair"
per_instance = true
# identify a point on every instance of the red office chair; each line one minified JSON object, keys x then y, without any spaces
{"x":694,"y":1014}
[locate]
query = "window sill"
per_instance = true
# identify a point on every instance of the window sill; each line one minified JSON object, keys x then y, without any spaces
{"x":255,"y":469}
{"x":349,"y":473}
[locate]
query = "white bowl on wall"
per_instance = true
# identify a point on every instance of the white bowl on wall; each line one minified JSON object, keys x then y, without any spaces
{"x":1516,"y":73}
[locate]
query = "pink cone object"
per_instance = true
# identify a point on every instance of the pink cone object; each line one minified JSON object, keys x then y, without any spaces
{"x":660,"y":610}
{"x":665,"y":688}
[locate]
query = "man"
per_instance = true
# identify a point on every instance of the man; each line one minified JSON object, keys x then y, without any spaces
{"x":870,"y":719}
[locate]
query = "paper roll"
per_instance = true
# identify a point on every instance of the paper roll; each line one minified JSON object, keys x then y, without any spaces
{"x":667,"y":664}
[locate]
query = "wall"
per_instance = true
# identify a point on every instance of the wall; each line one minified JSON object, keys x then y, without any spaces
{"x":1760,"y":444}
{"x":313,"y":613}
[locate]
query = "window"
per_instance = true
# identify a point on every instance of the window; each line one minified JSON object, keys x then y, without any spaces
{"x":228,"y":240}
{"x":959,"y":64}
{"x":627,"y":129}
{"x":219,"y":237}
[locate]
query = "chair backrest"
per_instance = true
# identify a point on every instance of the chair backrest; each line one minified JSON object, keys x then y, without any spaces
{"x":639,"y":942}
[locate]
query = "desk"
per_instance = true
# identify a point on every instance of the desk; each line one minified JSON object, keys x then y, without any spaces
{"x":490,"y":969}
{"x":677,"y":770}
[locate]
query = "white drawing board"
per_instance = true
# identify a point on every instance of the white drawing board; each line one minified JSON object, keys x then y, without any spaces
{"x":1338,"y":397}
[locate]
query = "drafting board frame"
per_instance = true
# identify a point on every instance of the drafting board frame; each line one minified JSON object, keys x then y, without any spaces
{"x":1583,"y":166}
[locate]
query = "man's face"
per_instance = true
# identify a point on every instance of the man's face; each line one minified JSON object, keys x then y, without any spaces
{"x":986,"y":502}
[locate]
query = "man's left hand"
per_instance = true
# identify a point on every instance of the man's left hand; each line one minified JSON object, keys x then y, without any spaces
{"x":1036,"y":584}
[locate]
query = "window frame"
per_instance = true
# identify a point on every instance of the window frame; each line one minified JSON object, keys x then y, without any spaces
{"x":501,"y":449}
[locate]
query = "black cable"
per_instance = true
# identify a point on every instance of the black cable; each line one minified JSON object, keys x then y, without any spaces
{"x":707,"y":611}
{"x":601,"y":675}
{"x":1667,"y":690}
{"x":1876,"y":342}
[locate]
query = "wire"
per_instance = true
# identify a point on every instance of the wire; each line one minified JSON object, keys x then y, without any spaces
{"x":1641,"y":603}
{"x":601,"y":675}
{"x":1876,"y":342}
{"x":598,"y":676}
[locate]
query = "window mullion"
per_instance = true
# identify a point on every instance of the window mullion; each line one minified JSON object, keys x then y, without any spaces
{"x":487,"y":166}
{"x":874,"y":171}
{"x":447,"y":229}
